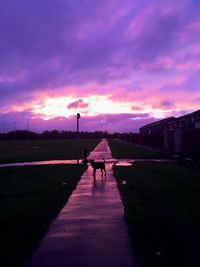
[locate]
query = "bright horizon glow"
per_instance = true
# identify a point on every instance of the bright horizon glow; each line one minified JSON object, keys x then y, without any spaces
{"x":57,"y":107}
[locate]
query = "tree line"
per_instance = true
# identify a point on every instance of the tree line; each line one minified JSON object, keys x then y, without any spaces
{"x":55,"y":134}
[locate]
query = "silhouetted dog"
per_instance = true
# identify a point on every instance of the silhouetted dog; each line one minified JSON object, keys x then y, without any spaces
{"x":98,"y":165}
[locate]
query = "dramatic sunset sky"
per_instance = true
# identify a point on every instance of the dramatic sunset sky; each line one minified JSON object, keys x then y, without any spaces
{"x":120,"y":63}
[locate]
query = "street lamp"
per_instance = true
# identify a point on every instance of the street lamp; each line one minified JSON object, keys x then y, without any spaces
{"x":77,"y":118}
{"x":77,"y":134}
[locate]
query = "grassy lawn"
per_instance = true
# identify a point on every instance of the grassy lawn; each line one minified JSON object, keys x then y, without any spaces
{"x":161,"y":203}
{"x":30,"y":198}
{"x":122,"y":150}
{"x":23,"y":151}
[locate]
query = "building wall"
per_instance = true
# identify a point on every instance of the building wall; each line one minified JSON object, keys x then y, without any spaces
{"x":152,"y":140}
{"x":178,"y":141}
{"x":197,"y":125}
{"x":169,"y":141}
{"x":177,"y":135}
{"x":191,"y":141}
{"x":187,"y":141}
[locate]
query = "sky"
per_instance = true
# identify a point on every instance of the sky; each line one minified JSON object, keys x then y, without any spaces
{"x":121,"y":64}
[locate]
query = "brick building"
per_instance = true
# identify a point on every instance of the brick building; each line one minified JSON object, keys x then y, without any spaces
{"x":189,"y":121}
{"x":179,"y":135}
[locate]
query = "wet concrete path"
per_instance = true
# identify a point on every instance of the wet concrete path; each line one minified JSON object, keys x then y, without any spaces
{"x":90,"y":230}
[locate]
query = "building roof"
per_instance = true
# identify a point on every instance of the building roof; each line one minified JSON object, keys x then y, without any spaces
{"x":171,"y":119}
{"x":195,"y":113}
{"x":159,"y":122}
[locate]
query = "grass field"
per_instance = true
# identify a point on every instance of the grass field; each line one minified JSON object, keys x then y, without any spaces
{"x":123,"y":150}
{"x":23,"y":151}
{"x":161,"y":203}
{"x":30,"y":198}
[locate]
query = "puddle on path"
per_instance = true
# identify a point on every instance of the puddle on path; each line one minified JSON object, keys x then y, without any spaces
{"x":46,"y":162}
{"x":123,"y":164}
{"x":117,"y":162}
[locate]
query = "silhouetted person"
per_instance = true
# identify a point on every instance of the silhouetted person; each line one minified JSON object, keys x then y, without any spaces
{"x":85,"y":154}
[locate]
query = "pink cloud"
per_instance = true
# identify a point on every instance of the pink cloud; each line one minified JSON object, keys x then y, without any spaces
{"x":78,"y":104}
{"x":141,"y":53}
{"x":137,"y":108}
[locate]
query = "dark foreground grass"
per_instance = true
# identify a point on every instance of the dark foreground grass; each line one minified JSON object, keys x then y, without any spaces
{"x":30,"y":198}
{"x":162,"y":203}
{"x":123,"y":150}
{"x":23,"y":151}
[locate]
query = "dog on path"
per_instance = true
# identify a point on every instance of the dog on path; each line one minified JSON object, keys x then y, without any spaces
{"x":98,"y":165}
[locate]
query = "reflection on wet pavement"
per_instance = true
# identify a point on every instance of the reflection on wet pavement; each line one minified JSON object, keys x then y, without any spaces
{"x":118,"y":162}
{"x":99,"y":185}
{"x":123,"y":182}
{"x":123,"y":163}
{"x":33,"y":163}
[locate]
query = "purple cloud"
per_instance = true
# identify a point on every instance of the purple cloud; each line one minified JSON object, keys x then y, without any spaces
{"x":104,"y":122}
{"x":197,"y":100}
{"x":132,"y":51}
{"x":166,"y":104}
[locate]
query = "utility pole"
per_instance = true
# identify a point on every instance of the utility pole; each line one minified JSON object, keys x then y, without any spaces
{"x":77,"y":135}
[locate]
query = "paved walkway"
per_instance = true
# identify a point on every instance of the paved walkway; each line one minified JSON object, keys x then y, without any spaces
{"x":90,"y":230}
